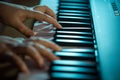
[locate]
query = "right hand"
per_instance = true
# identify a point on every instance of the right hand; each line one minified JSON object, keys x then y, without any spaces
{"x":15,"y":17}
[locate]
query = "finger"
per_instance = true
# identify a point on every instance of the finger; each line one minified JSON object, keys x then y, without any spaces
{"x":22,"y":66}
{"x":44,"y":17}
{"x":46,"y":53}
{"x":7,"y":65}
{"x":25,"y":49}
{"x":46,"y":10}
{"x":50,"y":12}
{"x":32,"y":52}
{"x":24,"y":29}
{"x":46,"y":43}
{"x":49,"y":44}
{"x":3,"y":48}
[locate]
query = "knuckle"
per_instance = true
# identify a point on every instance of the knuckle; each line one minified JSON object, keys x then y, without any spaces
{"x":22,"y":30}
{"x":44,"y":17}
{"x":31,"y":13}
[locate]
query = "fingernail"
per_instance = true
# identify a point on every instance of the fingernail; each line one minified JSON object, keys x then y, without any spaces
{"x":35,"y":33}
{"x":60,"y":26}
{"x":58,"y":48}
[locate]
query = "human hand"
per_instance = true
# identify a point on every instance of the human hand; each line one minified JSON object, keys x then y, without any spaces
{"x":16,"y":16}
{"x":34,"y":48}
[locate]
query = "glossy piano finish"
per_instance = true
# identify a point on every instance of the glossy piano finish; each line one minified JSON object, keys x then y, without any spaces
{"x":107,"y":31}
{"x":78,"y":42}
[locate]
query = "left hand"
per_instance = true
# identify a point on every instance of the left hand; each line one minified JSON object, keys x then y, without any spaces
{"x":35,"y":48}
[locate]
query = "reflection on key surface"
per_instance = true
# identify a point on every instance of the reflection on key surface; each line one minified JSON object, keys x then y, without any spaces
{"x":72,"y":75}
{"x":78,"y":50}
{"x":73,"y":54}
{"x":73,"y":69}
{"x":75,"y":63}
{"x":73,"y":41}
{"x":73,"y":36}
{"x":74,"y":32}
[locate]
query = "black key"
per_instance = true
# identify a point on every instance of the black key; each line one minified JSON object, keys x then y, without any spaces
{"x":80,"y":29}
{"x":75,"y":56}
{"x":74,"y":11}
{"x":85,"y":28}
{"x":74,"y":24}
{"x":74,"y":14}
{"x":73,"y":8}
{"x":74,"y":33}
{"x":75,"y":19}
{"x":71,"y":42}
{"x":75,"y":1}
{"x":73,"y":4}
{"x":74,"y":37}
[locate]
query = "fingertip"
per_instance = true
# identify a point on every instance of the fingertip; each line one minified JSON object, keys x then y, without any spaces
{"x":55,"y":58}
{"x":35,"y":33}
{"x":24,"y":29}
{"x":41,"y":63}
{"x":60,"y":27}
{"x":30,"y":33}
{"x":27,"y":72}
{"x":25,"y":69}
{"x":59,"y":48}
{"x":57,"y":25}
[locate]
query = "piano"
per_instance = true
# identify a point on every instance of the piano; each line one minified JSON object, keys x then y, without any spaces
{"x":90,"y":38}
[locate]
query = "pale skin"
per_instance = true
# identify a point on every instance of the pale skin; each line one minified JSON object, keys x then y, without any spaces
{"x":36,"y":48}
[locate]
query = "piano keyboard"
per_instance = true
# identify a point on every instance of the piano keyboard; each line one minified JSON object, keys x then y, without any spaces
{"x":78,"y":56}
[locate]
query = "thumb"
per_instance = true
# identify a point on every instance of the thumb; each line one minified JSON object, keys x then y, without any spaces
{"x":24,"y":29}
